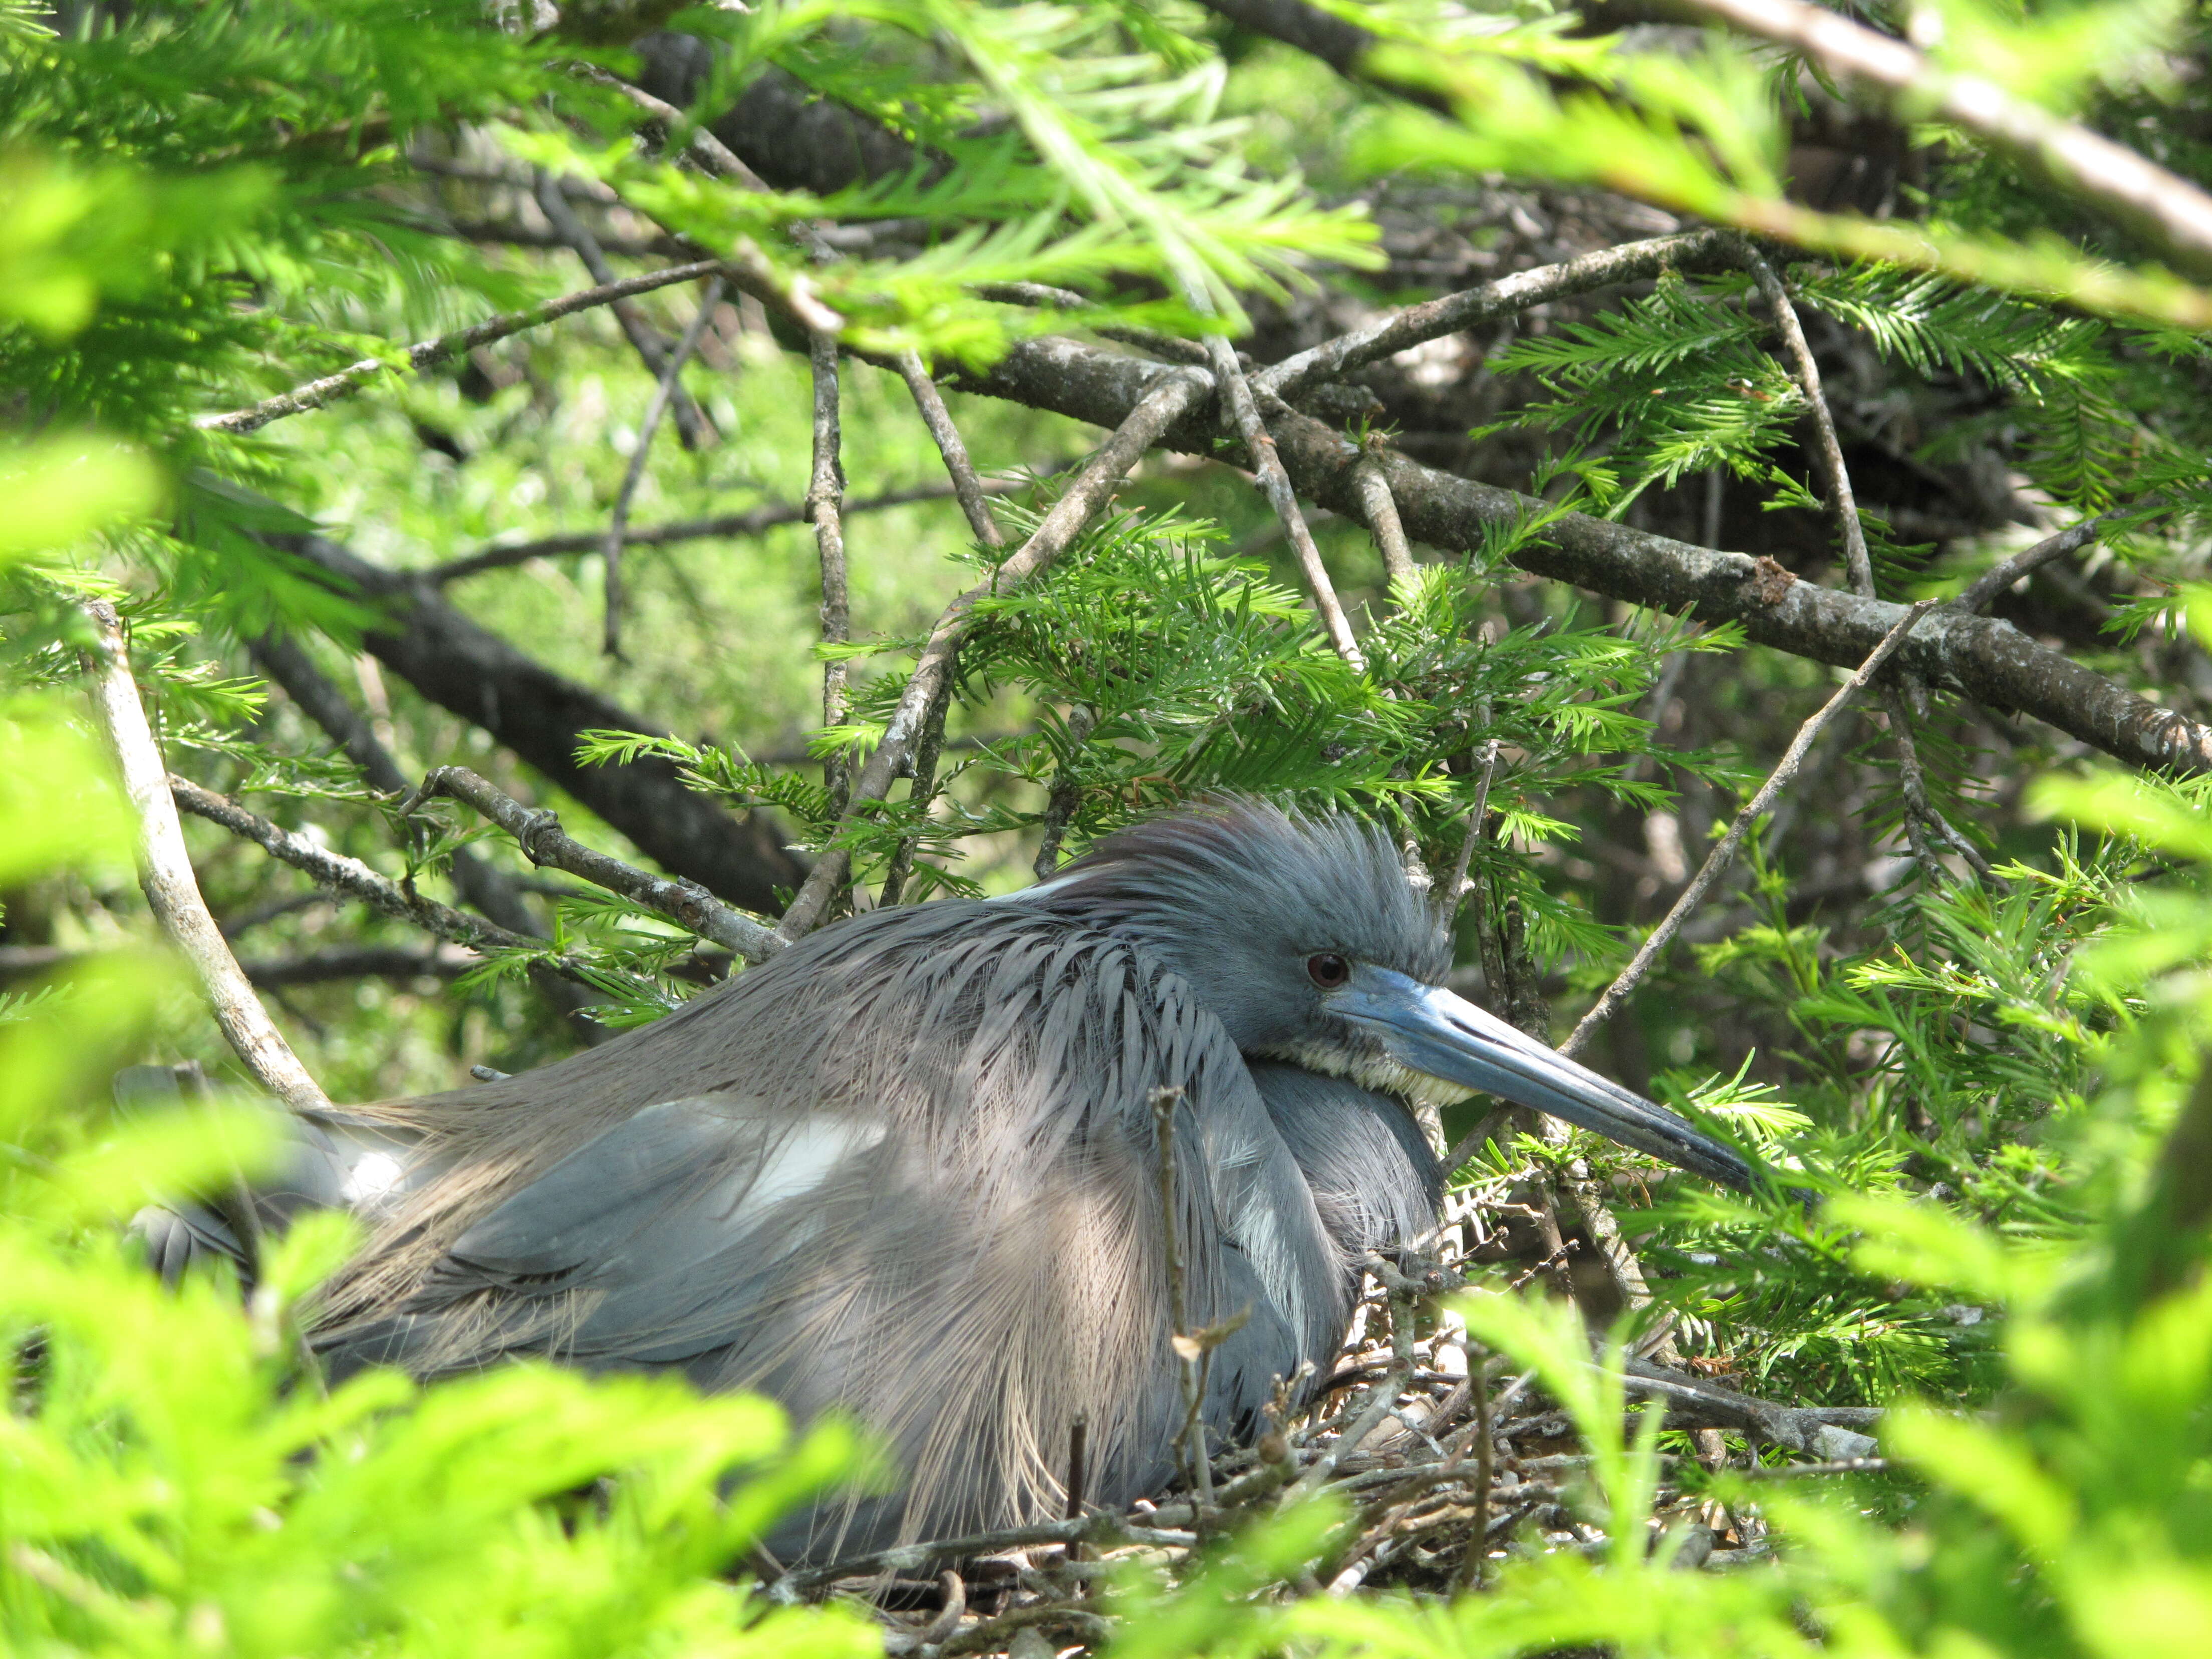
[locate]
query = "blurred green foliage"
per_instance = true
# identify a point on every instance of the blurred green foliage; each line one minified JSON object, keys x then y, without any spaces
{"x":1990,"y":1084}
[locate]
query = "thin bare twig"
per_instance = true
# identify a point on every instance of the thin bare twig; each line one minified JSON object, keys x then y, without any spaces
{"x":751,"y":522}
{"x":1450,"y":313}
{"x":1456,"y":895}
{"x":652,"y":350}
{"x":1382,"y":512}
{"x":1176,"y":394}
{"x":1198,"y":1468}
{"x":348,"y":878}
{"x":1842,"y":503}
{"x":479,"y":882}
{"x":711,"y":153}
{"x":1982,"y":592}
{"x":314,"y":394}
{"x":825,"y":497}
{"x":966,"y":485}
{"x":539,"y":832}
{"x":973,"y":495}
{"x":1239,"y":412}
{"x":165,"y":871}
{"x":669,"y":389}
{"x":1066,"y":791}
{"x":1170,"y":347}
{"x":927,"y":749}
{"x":1723,"y":855}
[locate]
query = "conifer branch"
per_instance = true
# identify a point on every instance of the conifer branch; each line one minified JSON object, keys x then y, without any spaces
{"x":2165,"y":211}
{"x":1990,"y":662}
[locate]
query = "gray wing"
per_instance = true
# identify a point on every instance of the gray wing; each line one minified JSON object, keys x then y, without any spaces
{"x":1372,"y":1176}
{"x":926,"y":1192}
{"x":329,"y":1161}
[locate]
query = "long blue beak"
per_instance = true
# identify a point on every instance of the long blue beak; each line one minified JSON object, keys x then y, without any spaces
{"x":1441,"y":1036}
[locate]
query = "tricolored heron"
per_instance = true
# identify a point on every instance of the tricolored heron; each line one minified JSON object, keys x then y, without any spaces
{"x":909,"y":1168}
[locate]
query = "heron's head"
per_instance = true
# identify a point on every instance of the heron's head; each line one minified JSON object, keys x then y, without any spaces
{"x":1310,"y":943}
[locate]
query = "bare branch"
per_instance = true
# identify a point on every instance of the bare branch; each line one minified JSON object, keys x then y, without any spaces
{"x":2165,"y":211}
{"x":1158,"y":407}
{"x":543,"y":717}
{"x":1171,"y":348}
{"x":965,"y":484}
{"x":751,"y":522}
{"x":316,"y":394}
{"x":1982,"y":592}
{"x":543,"y":841}
{"x":670,"y":389}
{"x":394,"y":962}
{"x":1450,"y":313}
{"x":1381,"y":514}
{"x":713,"y":155}
{"x":347,"y":877}
{"x":165,"y":871}
{"x":477,"y":880}
{"x":825,"y":496}
{"x":1723,"y":855}
{"x":1243,"y":413}
{"x":1985,"y":660}
{"x":927,"y":749}
{"x":553,"y":202}
{"x":1842,"y":503}
{"x":1455,"y":893}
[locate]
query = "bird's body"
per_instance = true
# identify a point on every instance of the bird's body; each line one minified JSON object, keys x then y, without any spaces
{"x":909,"y":1169}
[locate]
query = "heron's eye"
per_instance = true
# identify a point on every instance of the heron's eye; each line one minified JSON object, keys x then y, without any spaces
{"x":1328,"y":970}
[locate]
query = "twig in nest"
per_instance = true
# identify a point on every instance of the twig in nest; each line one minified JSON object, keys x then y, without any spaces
{"x":1198,"y":1469}
{"x":1478,"y":1544}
